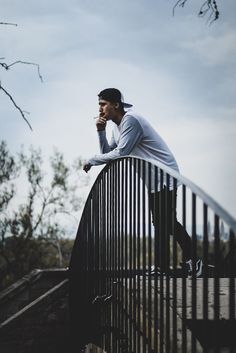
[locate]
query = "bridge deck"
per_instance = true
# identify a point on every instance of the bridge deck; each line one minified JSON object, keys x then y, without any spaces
{"x":189,"y":318}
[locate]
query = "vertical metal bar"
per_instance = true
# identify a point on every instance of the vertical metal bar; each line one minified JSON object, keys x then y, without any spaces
{"x":90,"y":257}
{"x":122,"y":248}
{"x":96,"y":241}
{"x":232,"y":276}
{"x":104,"y":247}
{"x":139,"y":256}
{"x":87,"y":225}
{"x":130,"y":249}
{"x":217,"y":273}
{"x":174,"y":280}
{"x":108,"y":234}
{"x":205,"y":261}
{"x":126,"y":249}
{"x":109,"y":255}
{"x":149,"y":260}
{"x":144,"y":257}
{"x":118,"y":283}
{"x":107,"y":251}
{"x":113,"y":240}
{"x":155,"y":210}
{"x":99,"y":233}
{"x":194,"y":259}
{"x":134,"y":265}
{"x":100,"y":238}
{"x":114,"y":278}
{"x":184,"y":297}
{"x":92,"y":246}
{"x":112,"y":235}
{"x":166,"y":249}
{"x":232,"y":283}
{"x":111,"y":209}
{"x":217,"y":269}
{"x":103,"y":235}
{"x":160,"y":236}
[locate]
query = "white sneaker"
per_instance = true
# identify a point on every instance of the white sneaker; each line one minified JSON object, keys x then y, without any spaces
{"x":189,"y":267}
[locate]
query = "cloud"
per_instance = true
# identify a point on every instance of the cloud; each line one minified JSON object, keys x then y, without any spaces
{"x":214,"y":50}
{"x":205,"y":153}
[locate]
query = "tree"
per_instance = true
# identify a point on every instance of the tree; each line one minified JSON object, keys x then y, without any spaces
{"x":34,"y":233}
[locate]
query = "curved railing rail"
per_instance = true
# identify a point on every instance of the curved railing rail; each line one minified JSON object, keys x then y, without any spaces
{"x":128,"y":289}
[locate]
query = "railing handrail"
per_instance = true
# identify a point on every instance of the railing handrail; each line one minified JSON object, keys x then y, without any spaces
{"x":208,"y":200}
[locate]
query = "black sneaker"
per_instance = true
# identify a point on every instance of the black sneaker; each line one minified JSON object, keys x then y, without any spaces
{"x":188,"y":266}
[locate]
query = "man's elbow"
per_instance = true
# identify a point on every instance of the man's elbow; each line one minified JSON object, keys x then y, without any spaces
{"x":123,"y":152}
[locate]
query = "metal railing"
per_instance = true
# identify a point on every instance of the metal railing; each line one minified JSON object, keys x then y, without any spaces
{"x":129,"y":291}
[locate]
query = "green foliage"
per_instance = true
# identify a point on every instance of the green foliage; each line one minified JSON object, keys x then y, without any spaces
{"x":21,"y":255}
{"x":8,"y":171}
{"x":33,"y":232}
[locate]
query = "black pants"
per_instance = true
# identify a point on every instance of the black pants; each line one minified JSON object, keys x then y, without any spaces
{"x":163,"y":208}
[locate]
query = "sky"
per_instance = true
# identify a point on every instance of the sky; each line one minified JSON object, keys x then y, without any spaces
{"x":178,"y":71}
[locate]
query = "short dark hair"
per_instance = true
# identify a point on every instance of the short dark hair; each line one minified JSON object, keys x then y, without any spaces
{"x":113,"y":95}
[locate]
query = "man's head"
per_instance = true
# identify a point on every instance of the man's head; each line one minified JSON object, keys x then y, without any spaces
{"x":113,"y":95}
{"x":111,"y":103}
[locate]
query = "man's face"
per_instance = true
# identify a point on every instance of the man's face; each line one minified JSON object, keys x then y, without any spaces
{"x":107,"y":109}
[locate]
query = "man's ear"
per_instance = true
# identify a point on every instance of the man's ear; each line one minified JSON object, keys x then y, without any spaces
{"x":116,"y":105}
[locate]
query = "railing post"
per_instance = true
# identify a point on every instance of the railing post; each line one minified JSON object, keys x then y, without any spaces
{"x":184,"y":296}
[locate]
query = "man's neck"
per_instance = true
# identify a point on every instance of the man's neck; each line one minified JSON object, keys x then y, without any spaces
{"x":117,"y":119}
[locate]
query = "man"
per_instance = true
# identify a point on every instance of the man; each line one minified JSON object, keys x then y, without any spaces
{"x":132,"y":134}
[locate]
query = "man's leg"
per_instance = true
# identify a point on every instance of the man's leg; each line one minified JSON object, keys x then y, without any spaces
{"x":157,"y":203}
{"x":163,"y":208}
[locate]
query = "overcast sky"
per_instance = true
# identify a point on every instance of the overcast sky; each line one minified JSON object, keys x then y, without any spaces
{"x":178,"y":71}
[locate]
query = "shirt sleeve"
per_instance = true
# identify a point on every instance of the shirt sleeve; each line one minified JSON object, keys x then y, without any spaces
{"x":106,"y":147}
{"x":131,"y":135}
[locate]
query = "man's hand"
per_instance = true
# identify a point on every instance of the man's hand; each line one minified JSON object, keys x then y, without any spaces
{"x":101,"y":123}
{"x":87,"y":167}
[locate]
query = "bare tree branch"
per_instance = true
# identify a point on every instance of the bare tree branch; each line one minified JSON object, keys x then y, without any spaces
{"x":7,"y":66}
{"x":208,"y":6}
{"x":179,"y":3}
{"x":44,"y":205}
{"x":8,"y":24}
{"x":17,"y":107}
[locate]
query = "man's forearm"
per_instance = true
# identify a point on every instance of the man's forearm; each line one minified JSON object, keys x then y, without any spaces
{"x":103,"y":143}
{"x":106,"y":157}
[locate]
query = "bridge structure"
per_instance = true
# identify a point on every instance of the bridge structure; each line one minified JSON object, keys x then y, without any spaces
{"x":128,"y":291}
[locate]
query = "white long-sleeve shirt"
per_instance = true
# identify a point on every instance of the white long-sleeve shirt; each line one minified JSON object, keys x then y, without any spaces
{"x":134,"y":136}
